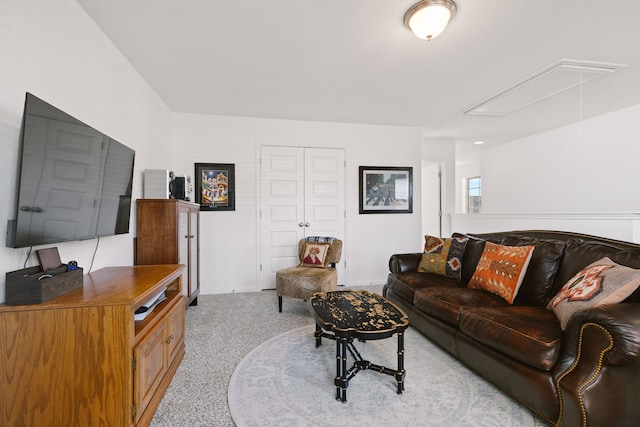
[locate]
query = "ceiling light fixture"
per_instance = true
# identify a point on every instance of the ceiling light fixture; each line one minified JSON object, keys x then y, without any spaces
{"x":428,"y":18}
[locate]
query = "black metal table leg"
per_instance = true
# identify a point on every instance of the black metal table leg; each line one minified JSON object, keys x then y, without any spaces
{"x":318,"y":335}
{"x":341,"y":381}
{"x":400,"y":373}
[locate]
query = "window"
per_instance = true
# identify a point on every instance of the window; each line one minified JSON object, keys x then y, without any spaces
{"x":474,"y":194}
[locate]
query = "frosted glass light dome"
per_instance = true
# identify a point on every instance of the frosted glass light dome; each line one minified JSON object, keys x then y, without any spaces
{"x":428,"y":18}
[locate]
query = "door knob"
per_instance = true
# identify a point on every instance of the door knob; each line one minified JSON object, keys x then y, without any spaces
{"x":307,"y":225}
{"x":301,"y":224}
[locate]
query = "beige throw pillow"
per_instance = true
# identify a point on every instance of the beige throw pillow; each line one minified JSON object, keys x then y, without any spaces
{"x":315,"y":254}
{"x":602,"y":282}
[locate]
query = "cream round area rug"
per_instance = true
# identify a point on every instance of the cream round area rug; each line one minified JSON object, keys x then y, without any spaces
{"x":287,"y":381}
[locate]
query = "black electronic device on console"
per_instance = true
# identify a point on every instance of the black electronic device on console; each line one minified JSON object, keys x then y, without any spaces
{"x":179,"y":187}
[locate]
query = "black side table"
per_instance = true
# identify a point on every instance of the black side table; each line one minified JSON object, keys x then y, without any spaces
{"x":347,"y":315}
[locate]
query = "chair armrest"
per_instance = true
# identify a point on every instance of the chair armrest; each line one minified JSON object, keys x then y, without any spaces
{"x":404,"y":263}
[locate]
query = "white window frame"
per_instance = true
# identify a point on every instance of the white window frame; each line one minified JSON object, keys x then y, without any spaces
{"x":474,"y":194}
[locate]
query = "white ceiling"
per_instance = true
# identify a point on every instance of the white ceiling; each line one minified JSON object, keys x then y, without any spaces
{"x":354,"y":61}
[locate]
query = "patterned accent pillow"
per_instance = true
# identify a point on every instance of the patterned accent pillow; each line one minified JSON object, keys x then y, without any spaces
{"x":602,"y":282}
{"x":501,"y":270}
{"x":443,"y":256}
{"x":315,"y":254}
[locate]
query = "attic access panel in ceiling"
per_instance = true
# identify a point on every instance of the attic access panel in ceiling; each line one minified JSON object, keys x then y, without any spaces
{"x":549,"y":81}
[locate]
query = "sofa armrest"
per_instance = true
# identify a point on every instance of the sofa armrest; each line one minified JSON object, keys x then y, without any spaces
{"x":601,"y":354}
{"x":404,"y":263}
{"x":622,"y":323}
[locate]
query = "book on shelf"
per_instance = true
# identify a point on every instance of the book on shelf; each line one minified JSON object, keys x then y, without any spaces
{"x":146,"y":308}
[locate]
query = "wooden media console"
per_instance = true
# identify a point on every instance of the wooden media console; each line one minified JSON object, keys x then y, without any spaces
{"x":82,"y":360}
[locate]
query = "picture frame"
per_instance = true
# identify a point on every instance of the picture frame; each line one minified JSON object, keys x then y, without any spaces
{"x":215,"y":186}
{"x":385,"y":190}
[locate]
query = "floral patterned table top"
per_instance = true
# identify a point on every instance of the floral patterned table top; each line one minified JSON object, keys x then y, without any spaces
{"x":361,"y":314}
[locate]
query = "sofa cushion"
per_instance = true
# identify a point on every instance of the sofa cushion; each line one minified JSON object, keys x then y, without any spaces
{"x":531,"y":335}
{"x":579,"y":253}
{"x":536,"y":288}
{"x":443,"y":256}
{"x":405,"y":284}
{"x":446,"y":303}
{"x":627,"y":258}
{"x":472,"y":254}
{"x":501,"y":270}
{"x":631,"y":259}
{"x":602,"y":282}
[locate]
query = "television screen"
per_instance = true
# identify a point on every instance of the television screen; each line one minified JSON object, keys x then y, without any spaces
{"x":75,"y":182}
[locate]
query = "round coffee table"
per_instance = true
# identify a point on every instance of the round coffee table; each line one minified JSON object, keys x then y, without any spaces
{"x":347,"y":315}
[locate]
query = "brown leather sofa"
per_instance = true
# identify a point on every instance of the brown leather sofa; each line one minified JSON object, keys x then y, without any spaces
{"x":587,"y":375}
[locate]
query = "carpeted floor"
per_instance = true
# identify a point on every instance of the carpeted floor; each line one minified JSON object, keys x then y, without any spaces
{"x":287,"y":381}
{"x":220,"y":332}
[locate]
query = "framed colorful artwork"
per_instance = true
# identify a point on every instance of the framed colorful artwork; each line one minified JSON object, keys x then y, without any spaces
{"x":215,"y":186}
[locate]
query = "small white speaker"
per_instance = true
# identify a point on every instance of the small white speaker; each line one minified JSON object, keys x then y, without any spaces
{"x":156,"y":183}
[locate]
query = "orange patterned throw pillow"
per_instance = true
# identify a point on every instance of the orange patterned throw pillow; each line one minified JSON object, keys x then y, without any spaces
{"x":501,"y":270}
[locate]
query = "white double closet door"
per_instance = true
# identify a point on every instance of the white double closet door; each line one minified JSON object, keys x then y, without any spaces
{"x":302,"y":193}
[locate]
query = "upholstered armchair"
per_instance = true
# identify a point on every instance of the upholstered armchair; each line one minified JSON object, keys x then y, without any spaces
{"x":316,"y":271}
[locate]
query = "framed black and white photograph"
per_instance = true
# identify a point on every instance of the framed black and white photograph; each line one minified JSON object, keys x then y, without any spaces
{"x":386,"y":189}
{"x":215,"y":186}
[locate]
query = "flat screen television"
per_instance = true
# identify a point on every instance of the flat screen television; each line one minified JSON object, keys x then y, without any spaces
{"x":74,"y":181}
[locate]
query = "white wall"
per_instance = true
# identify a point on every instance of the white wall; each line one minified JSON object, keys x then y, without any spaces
{"x":53,"y":50}
{"x":565,"y":171}
{"x":228,"y":248}
{"x":442,"y":151}
{"x":566,"y":179}
{"x":468,"y":165}
{"x":431,"y":193}
{"x":614,"y":226}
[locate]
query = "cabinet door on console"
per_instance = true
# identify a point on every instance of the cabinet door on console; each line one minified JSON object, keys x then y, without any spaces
{"x":154,"y":355}
{"x":151,"y":364}
{"x":174,"y":332}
